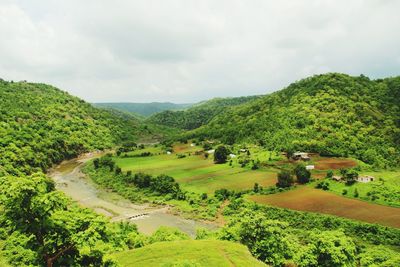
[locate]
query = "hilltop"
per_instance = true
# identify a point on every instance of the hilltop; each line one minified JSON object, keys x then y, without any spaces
{"x":189,"y":253}
{"x":41,"y":125}
{"x":332,"y":114}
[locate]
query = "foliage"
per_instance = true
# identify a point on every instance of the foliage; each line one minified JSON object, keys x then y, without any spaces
{"x":285,"y":179}
{"x":329,"y":249}
{"x":45,"y":227}
{"x":332,"y":114}
{"x":221,"y":154}
{"x":199,"y":114}
{"x":41,"y":125}
{"x":167,"y":234}
{"x":302,"y":174}
{"x":284,"y":237}
{"x":266,"y":239}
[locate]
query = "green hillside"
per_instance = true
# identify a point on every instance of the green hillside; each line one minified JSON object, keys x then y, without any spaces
{"x":199,"y":114}
{"x":207,"y":253}
{"x":41,"y":125}
{"x":143,"y":109}
{"x":333,"y":114}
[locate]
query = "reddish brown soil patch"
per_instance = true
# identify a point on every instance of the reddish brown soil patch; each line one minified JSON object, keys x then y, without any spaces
{"x":309,"y":199}
{"x":334,"y":163}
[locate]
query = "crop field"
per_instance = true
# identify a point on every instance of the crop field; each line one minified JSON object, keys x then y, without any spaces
{"x":305,"y":198}
{"x":195,"y":172}
{"x":211,"y":253}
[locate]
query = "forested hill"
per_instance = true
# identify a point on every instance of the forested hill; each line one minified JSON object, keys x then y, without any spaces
{"x":199,"y":114}
{"x":41,"y":125}
{"x":143,"y":109}
{"x":333,"y":114}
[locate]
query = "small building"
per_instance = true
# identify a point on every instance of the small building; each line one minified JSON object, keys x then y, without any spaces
{"x":301,"y":155}
{"x":365,"y":179}
{"x":310,"y":167}
{"x":337,"y":178}
{"x":169,"y":152}
{"x":232,"y":156}
{"x":242,"y":150}
{"x":192,"y":144}
{"x":211,"y":151}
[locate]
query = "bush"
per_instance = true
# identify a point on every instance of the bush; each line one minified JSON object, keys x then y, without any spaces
{"x":285,"y":179}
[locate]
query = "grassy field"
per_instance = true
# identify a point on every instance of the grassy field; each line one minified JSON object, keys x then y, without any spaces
{"x":385,"y":190}
{"x":305,"y":198}
{"x":206,"y":253}
{"x":196,"y":173}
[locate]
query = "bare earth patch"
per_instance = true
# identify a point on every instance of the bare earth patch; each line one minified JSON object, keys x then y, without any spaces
{"x":334,"y":163}
{"x":309,"y":199}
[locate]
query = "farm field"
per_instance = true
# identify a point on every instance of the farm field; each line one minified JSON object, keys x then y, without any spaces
{"x":210,"y":253}
{"x":305,"y":198}
{"x":384,"y":190}
{"x":196,"y":173}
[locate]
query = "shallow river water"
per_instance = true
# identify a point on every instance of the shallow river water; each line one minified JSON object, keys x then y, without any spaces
{"x":72,"y":182}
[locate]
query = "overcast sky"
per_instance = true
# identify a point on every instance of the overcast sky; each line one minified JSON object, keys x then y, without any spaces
{"x":191,"y":50}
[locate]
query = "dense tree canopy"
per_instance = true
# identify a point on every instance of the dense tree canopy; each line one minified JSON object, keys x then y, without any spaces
{"x":333,"y":114}
{"x":41,"y":125}
{"x":199,"y":114}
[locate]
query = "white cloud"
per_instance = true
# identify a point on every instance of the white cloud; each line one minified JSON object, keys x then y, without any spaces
{"x":186,"y":50}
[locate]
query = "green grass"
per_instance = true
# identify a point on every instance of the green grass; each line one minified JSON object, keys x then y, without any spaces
{"x":387,"y":191}
{"x":196,"y":173}
{"x":207,"y":253}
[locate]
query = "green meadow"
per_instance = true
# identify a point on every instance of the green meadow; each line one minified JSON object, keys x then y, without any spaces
{"x":384,"y":190}
{"x":195,"y":172}
{"x":211,"y":253}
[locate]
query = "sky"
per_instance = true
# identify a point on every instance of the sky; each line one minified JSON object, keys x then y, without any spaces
{"x":189,"y":50}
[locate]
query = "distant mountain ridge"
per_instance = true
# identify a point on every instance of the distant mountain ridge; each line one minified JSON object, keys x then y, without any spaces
{"x":198,"y":114}
{"x":143,"y":109}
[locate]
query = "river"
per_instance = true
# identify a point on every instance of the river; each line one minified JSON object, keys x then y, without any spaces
{"x":70,"y":180}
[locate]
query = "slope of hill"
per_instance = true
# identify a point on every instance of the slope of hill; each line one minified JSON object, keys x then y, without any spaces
{"x":198,"y":114}
{"x":41,"y":125}
{"x":333,"y":114}
{"x":143,"y":109}
{"x":189,"y":253}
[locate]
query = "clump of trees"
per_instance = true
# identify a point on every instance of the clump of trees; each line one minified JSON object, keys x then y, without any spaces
{"x":285,"y":179}
{"x":45,"y":228}
{"x":302,"y":174}
{"x":221,"y":154}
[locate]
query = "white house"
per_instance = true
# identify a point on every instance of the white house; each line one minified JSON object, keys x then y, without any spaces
{"x":192,"y":144}
{"x":211,"y":151}
{"x":232,"y":156}
{"x":310,"y":167}
{"x":169,"y":152}
{"x":365,"y":179}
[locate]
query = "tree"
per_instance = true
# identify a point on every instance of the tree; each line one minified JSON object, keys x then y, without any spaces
{"x":256,"y":188}
{"x":285,"y":179}
{"x":329,"y":174}
{"x":58,"y":231}
{"x":303,"y":175}
{"x":221,"y":154}
{"x":266,"y":239}
{"x":351,"y":176}
{"x":329,"y":249}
